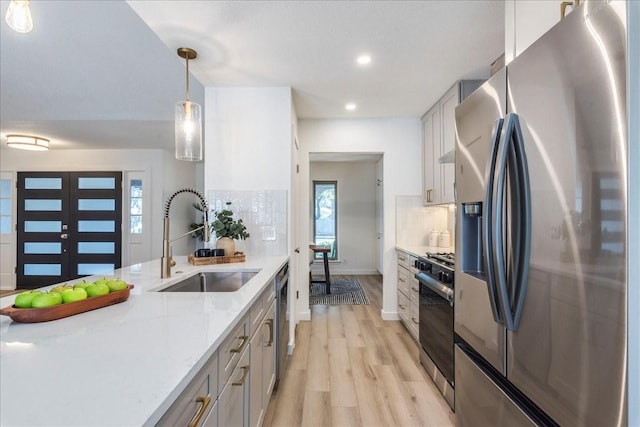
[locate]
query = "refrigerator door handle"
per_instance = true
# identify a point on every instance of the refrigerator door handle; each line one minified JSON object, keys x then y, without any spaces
{"x":488,"y":223}
{"x":500,"y":186}
{"x":523,"y":231}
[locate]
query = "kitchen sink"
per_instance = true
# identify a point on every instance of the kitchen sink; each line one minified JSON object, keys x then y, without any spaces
{"x":214,"y":281}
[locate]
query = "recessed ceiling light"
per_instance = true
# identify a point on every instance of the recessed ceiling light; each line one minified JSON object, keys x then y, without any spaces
{"x":350,"y":106}
{"x":364,"y":59}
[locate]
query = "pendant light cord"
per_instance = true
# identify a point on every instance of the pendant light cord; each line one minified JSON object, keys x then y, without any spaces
{"x":187,"y":59}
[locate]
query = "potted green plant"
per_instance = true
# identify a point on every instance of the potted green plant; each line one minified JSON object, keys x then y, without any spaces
{"x":227,"y":229}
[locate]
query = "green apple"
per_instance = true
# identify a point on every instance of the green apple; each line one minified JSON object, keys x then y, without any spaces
{"x":60,"y":289}
{"x":103,"y":281}
{"x":73,"y":295}
{"x":116,"y":285}
{"x":24,"y":299}
{"x":46,"y":300}
{"x":82,"y":285}
{"x":97,"y":289}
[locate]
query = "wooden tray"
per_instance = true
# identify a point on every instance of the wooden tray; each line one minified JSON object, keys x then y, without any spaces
{"x":34,"y":315}
{"x":215,"y":259}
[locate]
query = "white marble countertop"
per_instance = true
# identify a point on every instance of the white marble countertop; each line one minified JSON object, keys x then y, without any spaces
{"x":121,"y":365}
{"x":422,"y":250}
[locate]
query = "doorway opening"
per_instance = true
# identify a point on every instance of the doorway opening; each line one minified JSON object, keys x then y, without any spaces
{"x":352,"y":220}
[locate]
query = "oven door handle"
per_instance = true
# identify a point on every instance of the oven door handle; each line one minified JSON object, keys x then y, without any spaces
{"x":440,"y":289}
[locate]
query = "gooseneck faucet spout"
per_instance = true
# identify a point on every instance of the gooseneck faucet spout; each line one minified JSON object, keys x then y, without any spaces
{"x":166,"y":262}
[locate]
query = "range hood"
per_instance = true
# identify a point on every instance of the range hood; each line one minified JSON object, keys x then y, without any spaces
{"x":448,"y":157}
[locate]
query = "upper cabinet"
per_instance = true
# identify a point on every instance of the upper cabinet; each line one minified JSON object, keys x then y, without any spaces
{"x":527,"y":20}
{"x":438,"y":143}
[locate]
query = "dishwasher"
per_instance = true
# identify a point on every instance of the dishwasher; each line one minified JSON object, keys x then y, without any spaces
{"x":282,"y":321}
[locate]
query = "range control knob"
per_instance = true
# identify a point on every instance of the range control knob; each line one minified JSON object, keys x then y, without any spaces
{"x":445,"y":277}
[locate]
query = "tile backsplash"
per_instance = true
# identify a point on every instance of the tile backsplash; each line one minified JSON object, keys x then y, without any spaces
{"x":414,"y":221}
{"x":263,"y":212}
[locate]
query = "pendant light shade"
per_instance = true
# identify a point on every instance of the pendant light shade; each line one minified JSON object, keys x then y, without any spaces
{"x":19,"y":16}
{"x":188,"y":131}
{"x":188,"y":125}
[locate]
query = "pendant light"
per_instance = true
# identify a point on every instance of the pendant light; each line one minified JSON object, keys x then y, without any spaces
{"x":188,"y":120}
{"x":19,"y":16}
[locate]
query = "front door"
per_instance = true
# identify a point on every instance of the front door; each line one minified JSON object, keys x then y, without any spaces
{"x":69,"y":224}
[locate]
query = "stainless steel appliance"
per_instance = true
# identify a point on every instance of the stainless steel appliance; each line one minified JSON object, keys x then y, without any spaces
{"x":541,"y":175}
{"x":282,"y":321}
{"x":435,"y":306}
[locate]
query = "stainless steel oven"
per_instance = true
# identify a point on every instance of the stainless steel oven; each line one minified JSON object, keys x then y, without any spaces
{"x":435,"y":275}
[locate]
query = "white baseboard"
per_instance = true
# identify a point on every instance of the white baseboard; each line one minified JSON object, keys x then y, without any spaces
{"x":389,"y":315}
{"x":305,"y":315}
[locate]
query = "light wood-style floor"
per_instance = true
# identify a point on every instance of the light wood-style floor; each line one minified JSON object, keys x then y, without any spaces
{"x":351,"y":368}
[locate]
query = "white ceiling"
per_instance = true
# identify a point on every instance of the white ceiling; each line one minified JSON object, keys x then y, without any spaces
{"x":103,"y":73}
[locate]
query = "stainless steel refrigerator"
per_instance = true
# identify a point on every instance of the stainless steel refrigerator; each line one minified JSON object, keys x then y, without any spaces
{"x":541,"y":176}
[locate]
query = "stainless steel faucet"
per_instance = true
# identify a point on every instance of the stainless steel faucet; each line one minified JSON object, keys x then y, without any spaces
{"x":166,"y":262}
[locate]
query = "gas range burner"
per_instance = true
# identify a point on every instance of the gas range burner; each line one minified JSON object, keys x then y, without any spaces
{"x":447,"y":258}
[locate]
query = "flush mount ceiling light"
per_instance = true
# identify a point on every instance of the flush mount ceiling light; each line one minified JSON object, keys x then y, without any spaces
{"x":19,"y":16}
{"x":364,"y":59}
{"x":28,"y":142}
{"x":350,"y":106}
{"x":188,"y":124}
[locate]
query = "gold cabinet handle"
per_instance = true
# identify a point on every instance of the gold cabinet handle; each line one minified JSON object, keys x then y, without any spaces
{"x":269,"y":322}
{"x":244,"y":376}
{"x":415,"y":321}
{"x":244,"y":339}
{"x":204,"y":403}
{"x":429,"y":196}
{"x":402,"y":306}
{"x":565,"y":4}
{"x":414,"y":289}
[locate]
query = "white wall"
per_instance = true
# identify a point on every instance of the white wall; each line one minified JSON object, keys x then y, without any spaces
{"x":356,"y":219}
{"x":162,"y":171}
{"x":249,"y":135}
{"x":247,"y":139}
{"x":399,"y":141}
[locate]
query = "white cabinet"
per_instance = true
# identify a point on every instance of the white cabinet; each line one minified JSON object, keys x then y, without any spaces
{"x":438,"y":140}
{"x":526,"y":21}
{"x":234,"y":387}
{"x":408,"y":290}
{"x":431,"y":153}
{"x":263,"y":366}
{"x":233,"y":402}
{"x":196,"y":404}
{"x":269,"y":354}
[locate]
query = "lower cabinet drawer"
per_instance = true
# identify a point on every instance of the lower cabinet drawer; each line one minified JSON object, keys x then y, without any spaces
{"x":230,"y":351}
{"x":404,"y":309}
{"x":212,"y":419}
{"x":233,"y":402}
{"x":195,"y":402}
{"x":414,"y":320}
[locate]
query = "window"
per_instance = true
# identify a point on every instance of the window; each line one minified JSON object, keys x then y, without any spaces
{"x":136,"y":206}
{"x":325,"y":216}
{"x":5,"y":206}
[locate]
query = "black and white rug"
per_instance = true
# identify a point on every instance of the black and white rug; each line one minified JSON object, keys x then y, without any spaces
{"x":343,"y":291}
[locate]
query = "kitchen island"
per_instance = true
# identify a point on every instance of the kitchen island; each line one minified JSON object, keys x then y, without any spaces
{"x":125,"y":364}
